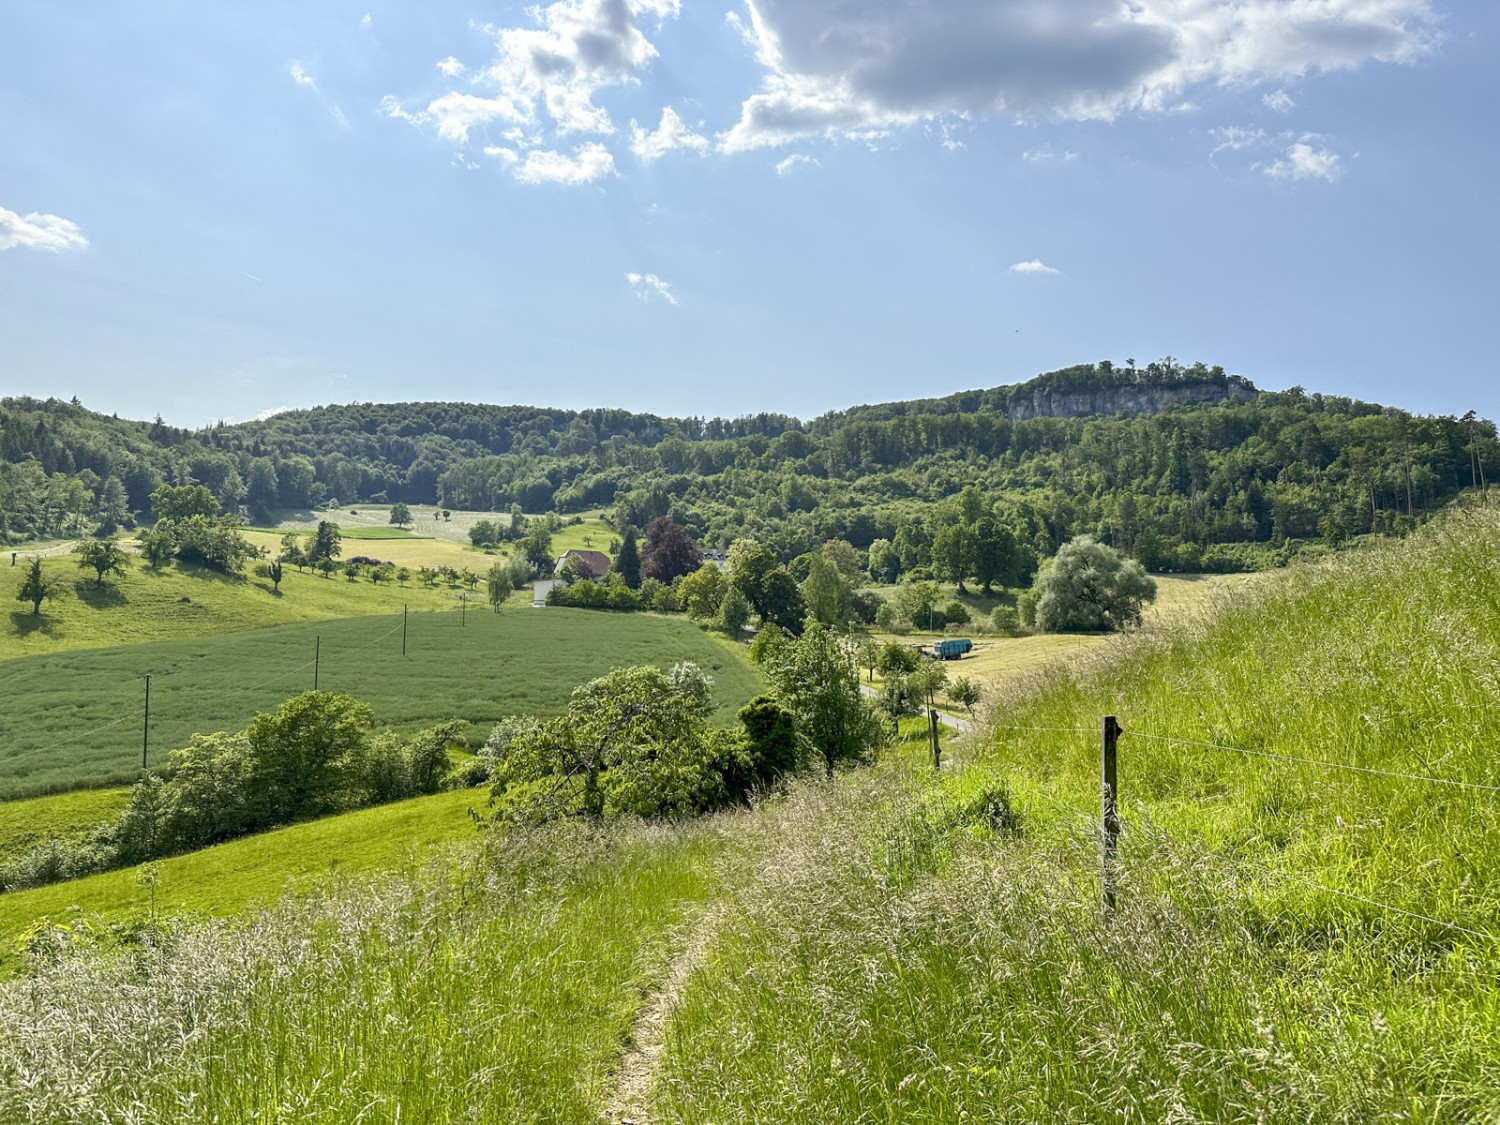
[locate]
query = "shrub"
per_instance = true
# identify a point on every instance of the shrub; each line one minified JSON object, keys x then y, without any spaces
{"x":1005,"y":619}
{"x":956,"y":613}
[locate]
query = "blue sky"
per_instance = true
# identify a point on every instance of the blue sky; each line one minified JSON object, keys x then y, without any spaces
{"x":213,"y":211}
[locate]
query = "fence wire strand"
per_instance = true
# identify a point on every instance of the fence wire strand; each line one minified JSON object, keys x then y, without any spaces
{"x":1287,"y":875}
{"x":1474,"y":785}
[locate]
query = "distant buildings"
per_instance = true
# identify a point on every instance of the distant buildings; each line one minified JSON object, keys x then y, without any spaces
{"x":585,"y":564}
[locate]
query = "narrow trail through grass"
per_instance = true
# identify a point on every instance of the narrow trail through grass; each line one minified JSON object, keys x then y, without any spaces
{"x":627,"y":1101}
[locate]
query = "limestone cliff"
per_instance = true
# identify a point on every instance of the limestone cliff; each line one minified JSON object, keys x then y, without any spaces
{"x":1046,"y":402}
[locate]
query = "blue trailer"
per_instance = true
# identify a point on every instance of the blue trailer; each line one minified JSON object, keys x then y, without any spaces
{"x":951,"y":649}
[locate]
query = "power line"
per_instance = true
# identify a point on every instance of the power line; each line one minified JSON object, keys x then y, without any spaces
{"x":132,"y":715}
{"x":1319,"y":762}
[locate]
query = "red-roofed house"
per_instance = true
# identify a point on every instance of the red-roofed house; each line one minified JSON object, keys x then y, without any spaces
{"x":596,"y":563}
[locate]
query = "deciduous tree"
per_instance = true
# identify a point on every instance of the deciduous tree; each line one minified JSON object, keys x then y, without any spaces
{"x":102,"y":556}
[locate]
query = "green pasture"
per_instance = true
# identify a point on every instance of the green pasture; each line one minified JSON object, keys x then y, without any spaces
{"x":80,"y":716}
{"x":184,"y":601}
{"x":256,"y":869}
{"x":69,"y":816}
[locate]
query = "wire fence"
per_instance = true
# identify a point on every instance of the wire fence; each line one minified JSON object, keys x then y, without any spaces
{"x":1100,"y":827}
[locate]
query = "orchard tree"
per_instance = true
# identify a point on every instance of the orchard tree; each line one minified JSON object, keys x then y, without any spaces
{"x":400,"y":515}
{"x":327,"y":544}
{"x":36,"y":587}
{"x":291,"y":550}
{"x":101,"y":556}
{"x":1088,"y":587}
{"x":966,"y":693}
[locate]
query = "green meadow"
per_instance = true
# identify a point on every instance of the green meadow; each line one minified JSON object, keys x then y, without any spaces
{"x":83,"y":719}
{"x":225,"y":879}
{"x":184,"y":601}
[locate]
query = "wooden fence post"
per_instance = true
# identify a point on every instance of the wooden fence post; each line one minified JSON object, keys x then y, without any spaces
{"x":1110,"y":810}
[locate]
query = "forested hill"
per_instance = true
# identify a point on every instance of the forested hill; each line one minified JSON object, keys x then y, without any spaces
{"x":1186,"y":466}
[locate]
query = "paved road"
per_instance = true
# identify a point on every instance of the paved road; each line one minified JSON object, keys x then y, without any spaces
{"x":960,"y":725}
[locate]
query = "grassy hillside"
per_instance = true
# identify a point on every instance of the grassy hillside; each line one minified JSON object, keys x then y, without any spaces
{"x":467,"y":991}
{"x":147,"y":605}
{"x":82,"y":723}
{"x":71,"y":816}
{"x":1293,"y":942}
{"x":257,"y":869}
{"x":1271,"y":958}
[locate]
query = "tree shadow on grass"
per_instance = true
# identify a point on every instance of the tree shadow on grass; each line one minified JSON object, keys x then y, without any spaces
{"x":99,"y":597}
{"x":26,"y":624}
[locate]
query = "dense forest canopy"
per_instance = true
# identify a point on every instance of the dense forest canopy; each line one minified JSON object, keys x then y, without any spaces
{"x":1183,"y":466}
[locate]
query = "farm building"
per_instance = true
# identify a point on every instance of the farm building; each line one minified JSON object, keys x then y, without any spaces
{"x":595,"y":562}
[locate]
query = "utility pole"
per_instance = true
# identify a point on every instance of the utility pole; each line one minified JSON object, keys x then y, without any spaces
{"x":1110,"y":793}
{"x":317,"y":658}
{"x":403,"y":628}
{"x":146,"y":726}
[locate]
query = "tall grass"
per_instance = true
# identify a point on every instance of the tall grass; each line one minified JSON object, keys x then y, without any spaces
{"x":489,"y":988}
{"x":889,"y":964}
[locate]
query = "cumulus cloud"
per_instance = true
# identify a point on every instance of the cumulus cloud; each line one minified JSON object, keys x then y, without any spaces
{"x":647,"y":285}
{"x":37,"y":231}
{"x":1036,"y":265}
{"x":453,"y":115}
{"x":834,"y":69}
{"x":671,"y":133}
{"x":1279,"y":101}
{"x":547,"y":75}
{"x":589,"y":162}
{"x":792,"y":162}
{"x":1304,"y":162}
{"x":301,"y":77}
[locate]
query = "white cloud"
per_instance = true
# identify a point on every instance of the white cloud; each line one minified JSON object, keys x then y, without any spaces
{"x":1046,"y":154}
{"x":792,"y":162}
{"x":833,"y":69}
{"x":671,"y":133}
{"x":1279,"y":101}
{"x":548,"y":74}
{"x":366,"y":20}
{"x":1232,"y":138}
{"x":647,"y":285}
{"x":544,"y":166}
{"x":37,"y":231}
{"x":301,"y":77}
{"x":1036,"y":265}
{"x":455,"y":114}
{"x":1304,"y":162}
